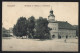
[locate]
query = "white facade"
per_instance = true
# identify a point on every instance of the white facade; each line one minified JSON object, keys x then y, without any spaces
{"x":54,"y":31}
{"x":52,"y":18}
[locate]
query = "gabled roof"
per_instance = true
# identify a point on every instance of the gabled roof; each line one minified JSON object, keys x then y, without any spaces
{"x":64,"y":25}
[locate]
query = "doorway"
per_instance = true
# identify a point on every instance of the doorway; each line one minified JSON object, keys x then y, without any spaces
{"x":59,"y":37}
{"x":53,"y":36}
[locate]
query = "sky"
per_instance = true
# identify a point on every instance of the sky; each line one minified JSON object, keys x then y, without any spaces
{"x":63,"y":11}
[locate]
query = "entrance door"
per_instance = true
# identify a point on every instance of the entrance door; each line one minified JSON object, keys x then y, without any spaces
{"x":53,"y":36}
{"x":59,"y":37}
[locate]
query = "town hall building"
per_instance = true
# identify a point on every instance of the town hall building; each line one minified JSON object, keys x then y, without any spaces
{"x":60,"y":29}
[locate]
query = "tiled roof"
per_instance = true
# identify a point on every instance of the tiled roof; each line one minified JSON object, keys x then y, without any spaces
{"x":64,"y":25}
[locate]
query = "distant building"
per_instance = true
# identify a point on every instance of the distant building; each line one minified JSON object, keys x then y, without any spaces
{"x":5,"y":33}
{"x":60,"y":29}
{"x":11,"y":31}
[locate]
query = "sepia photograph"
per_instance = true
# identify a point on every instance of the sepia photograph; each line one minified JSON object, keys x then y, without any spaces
{"x":40,"y":26}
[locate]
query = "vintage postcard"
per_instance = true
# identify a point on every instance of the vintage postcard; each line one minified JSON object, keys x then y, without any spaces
{"x":40,"y":26}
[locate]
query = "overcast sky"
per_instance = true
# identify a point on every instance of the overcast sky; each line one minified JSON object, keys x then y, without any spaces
{"x":63,"y":11}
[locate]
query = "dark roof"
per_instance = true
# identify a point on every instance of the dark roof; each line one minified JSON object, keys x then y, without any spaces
{"x":64,"y":25}
{"x":75,"y":26}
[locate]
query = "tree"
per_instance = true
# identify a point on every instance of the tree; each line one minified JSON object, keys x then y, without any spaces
{"x":20,"y":29}
{"x":42,"y":29}
{"x":31,"y":26}
{"x":15,"y":30}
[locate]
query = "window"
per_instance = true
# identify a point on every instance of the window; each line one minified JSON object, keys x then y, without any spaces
{"x":54,"y":28}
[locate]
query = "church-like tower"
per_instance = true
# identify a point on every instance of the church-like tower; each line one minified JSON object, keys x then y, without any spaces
{"x":52,"y":25}
{"x":51,"y":17}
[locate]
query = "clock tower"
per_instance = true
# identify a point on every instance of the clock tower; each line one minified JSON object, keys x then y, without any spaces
{"x":51,"y":17}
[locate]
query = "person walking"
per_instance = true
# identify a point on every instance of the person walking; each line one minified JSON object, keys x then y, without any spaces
{"x":65,"y":38}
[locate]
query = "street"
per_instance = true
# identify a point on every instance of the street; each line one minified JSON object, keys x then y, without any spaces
{"x":14,"y":44}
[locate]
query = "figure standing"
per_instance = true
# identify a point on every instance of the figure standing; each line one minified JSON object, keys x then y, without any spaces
{"x":65,"y":38}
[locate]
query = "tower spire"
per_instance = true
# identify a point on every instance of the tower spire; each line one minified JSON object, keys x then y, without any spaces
{"x":51,"y":11}
{"x":51,"y":7}
{"x":51,"y":17}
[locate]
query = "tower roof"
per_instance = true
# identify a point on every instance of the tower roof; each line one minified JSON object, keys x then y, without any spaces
{"x":51,"y":9}
{"x":51,"y":12}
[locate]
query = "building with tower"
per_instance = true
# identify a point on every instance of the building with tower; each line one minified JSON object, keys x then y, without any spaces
{"x":60,"y":29}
